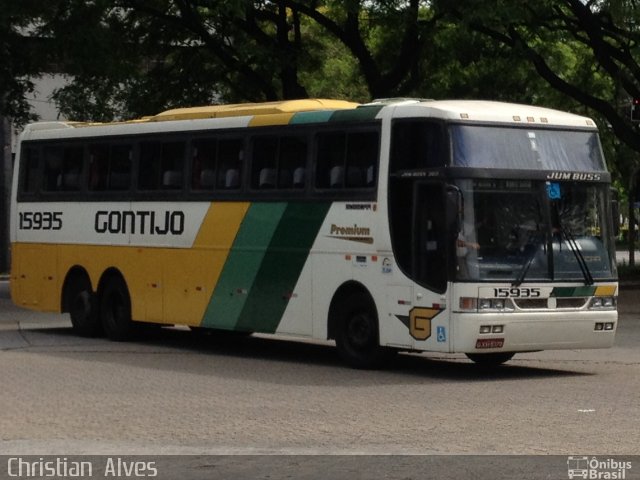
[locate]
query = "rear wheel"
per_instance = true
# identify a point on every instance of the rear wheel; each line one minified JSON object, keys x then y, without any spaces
{"x":490,"y":359}
{"x":115,"y":310}
{"x":357,"y":335}
{"x":81,"y":304}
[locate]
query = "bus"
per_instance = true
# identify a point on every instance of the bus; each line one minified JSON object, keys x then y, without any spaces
{"x":470,"y":227}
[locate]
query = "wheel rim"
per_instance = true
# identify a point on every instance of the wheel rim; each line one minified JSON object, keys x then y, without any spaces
{"x":359,"y":330}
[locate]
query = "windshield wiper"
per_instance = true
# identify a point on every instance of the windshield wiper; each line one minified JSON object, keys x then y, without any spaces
{"x":575,"y":249}
{"x":527,"y":265}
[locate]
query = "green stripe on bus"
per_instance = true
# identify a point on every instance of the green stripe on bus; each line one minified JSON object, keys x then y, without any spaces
{"x":573,"y":291}
{"x":242,"y":265}
{"x":357,"y":114}
{"x":282,"y":266}
{"x":311,"y":117}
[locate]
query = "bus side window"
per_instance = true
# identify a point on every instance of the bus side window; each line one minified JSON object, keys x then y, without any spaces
{"x":120,"y":162}
{"x":264,"y":163}
{"x":29,"y":170}
{"x":330,"y":160}
{"x":63,"y":168}
{"x":276,"y":161}
{"x":172,"y":165}
{"x":161,"y":165}
{"x":109,"y":167}
{"x":98,"y":167}
{"x":347,"y":160}
{"x":203,"y":165}
{"x":230,"y":163}
{"x":292,"y":163}
{"x":362,"y":157}
{"x":149,"y":168}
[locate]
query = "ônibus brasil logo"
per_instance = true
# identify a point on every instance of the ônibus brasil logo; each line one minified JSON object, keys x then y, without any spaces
{"x":596,"y":468}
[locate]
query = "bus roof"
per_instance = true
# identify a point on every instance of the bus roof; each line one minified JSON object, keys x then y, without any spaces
{"x":313,"y":111}
{"x":488,"y":111}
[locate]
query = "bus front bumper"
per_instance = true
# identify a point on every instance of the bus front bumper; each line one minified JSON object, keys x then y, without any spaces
{"x":522,"y":332}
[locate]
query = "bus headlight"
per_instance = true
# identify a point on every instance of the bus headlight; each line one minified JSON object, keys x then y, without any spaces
{"x":470,"y":304}
{"x":495,"y":304}
{"x":603,"y":303}
{"x":485,"y":304}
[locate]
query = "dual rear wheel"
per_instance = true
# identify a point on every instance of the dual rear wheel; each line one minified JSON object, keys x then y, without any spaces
{"x":108,"y":311}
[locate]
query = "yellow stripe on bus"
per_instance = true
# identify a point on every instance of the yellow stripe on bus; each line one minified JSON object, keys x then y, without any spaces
{"x":605,"y":291}
{"x":221,"y":224}
{"x":165,"y":284}
{"x":274,"y":119}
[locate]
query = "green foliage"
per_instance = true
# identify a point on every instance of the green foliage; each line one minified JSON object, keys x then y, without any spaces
{"x":17,"y":63}
{"x":130,"y":58}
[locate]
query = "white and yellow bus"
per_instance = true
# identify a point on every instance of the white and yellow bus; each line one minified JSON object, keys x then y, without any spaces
{"x":401,"y":225}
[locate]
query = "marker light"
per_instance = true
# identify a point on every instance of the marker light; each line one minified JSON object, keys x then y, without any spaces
{"x":484,"y":329}
{"x":468,"y":304}
{"x":607,"y":326}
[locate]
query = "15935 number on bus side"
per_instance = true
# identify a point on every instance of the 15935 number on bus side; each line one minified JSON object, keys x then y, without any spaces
{"x":40,"y":221}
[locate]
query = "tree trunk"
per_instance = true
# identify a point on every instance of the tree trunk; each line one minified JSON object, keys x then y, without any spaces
{"x":5,"y":192}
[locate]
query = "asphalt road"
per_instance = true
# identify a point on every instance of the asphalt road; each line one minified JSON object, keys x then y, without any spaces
{"x":177,"y":393}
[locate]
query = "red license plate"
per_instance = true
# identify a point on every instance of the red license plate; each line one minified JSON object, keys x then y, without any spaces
{"x":490,"y":343}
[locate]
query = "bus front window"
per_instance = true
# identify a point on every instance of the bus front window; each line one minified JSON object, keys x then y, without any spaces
{"x":526,"y":230}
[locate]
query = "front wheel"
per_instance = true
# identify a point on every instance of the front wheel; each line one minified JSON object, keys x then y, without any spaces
{"x":357,"y":335}
{"x":490,"y":359}
{"x":115,"y":310}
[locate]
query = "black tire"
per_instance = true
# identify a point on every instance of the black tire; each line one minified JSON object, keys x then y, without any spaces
{"x":490,"y":359}
{"x":356,"y":333}
{"x":82,"y":307}
{"x":115,"y":310}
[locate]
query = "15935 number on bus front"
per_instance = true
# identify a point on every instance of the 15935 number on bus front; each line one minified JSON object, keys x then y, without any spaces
{"x":40,"y":221}
{"x":516,"y":292}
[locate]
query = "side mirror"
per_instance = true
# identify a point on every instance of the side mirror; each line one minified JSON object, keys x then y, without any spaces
{"x":615,"y":212}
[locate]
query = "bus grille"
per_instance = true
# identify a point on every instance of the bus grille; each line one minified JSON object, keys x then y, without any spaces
{"x":575,"y":303}
{"x":531,"y":303}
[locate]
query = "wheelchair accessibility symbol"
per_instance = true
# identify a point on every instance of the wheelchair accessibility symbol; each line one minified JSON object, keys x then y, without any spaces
{"x":441,"y":334}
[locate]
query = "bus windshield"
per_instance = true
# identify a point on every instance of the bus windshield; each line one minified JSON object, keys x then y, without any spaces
{"x":533,"y":230}
{"x":526,"y":148}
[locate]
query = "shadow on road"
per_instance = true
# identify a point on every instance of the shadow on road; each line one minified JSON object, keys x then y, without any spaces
{"x":231,"y":355}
